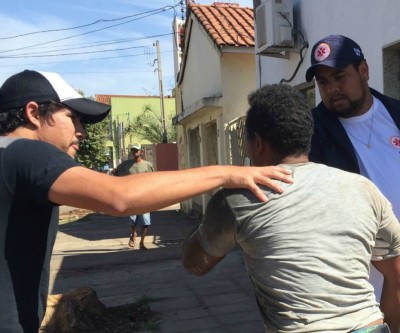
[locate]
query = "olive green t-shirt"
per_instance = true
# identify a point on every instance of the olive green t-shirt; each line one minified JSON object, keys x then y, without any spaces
{"x":140,"y":167}
{"x":307,"y":251}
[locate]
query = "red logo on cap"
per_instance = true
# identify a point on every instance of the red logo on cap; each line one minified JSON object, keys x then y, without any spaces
{"x":322,"y":52}
{"x":395,"y":141}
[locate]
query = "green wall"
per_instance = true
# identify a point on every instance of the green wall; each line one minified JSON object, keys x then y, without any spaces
{"x":123,"y":112}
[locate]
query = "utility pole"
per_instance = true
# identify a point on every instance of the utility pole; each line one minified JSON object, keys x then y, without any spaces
{"x":164,"y":134}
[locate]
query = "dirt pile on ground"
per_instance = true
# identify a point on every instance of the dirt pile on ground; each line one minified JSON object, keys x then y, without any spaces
{"x":80,"y":310}
{"x":127,"y":318}
{"x":120,"y":319}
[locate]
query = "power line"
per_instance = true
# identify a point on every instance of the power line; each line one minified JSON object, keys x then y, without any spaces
{"x":43,"y":54}
{"x":40,"y":55}
{"x":89,"y":32}
{"x":80,"y":60}
{"x":99,"y":43}
{"x":54,"y":48}
{"x":90,"y":24}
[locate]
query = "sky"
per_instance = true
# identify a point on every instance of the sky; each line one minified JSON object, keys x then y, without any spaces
{"x":97,"y":46}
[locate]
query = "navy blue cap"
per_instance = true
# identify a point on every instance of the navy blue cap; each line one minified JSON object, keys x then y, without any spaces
{"x":334,"y":51}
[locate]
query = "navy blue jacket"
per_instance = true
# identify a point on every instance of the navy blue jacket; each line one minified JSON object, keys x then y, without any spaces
{"x":330,"y":144}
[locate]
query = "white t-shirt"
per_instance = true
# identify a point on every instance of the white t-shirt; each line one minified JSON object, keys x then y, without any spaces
{"x":376,"y":140}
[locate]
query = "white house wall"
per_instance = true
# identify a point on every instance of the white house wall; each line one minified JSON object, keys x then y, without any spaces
{"x":214,"y":89}
{"x":202,"y":76}
{"x":372,"y":24}
{"x":238,"y":81}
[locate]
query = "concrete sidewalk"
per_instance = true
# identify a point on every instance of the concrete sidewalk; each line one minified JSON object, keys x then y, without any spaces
{"x":93,"y":252}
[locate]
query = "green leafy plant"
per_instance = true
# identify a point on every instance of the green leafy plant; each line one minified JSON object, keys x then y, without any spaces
{"x":92,"y":150}
{"x":148,"y":126}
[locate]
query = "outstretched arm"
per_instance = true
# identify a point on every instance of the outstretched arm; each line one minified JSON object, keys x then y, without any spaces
{"x":390,"y":299}
{"x":140,"y":193}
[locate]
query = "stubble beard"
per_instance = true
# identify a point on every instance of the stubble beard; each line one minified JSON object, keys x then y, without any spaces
{"x":354,"y":108}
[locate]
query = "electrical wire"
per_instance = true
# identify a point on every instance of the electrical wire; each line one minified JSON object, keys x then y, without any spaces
{"x":46,"y":54}
{"x":305,"y":45}
{"x":103,"y":43}
{"x":60,"y":48}
{"x":67,"y":54}
{"x":90,"y":24}
{"x":89,"y":32}
{"x":80,"y":60}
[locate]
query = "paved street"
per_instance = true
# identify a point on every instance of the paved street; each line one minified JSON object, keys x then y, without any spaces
{"x":93,"y":252}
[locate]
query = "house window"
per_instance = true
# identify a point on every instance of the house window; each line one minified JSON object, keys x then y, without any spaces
{"x":236,"y":133}
{"x":194,"y":147}
{"x":308,"y":91}
{"x":210,"y":144}
{"x":391,"y":70}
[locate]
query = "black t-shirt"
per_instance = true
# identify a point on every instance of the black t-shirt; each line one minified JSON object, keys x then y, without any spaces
{"x":28,"y":227}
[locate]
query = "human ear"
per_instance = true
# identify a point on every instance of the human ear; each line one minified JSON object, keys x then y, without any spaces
{"x":259,"y":144}
{"x":364,"y":70}
{"x":32,"y":113}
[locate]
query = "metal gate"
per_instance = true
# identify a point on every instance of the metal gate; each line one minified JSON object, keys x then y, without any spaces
{"x":236,"y":141}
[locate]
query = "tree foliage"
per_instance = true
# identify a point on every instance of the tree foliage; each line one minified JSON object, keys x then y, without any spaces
{"x":92,"y":150}
{"x":148,"y":126}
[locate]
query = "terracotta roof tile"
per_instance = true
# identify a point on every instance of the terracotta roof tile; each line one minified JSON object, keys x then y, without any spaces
{"x":228,"y":24}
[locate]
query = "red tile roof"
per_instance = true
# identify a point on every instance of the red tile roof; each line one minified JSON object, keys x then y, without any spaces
{"x":228,"y":24}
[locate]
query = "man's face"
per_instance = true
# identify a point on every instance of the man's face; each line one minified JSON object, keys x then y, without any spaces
{"x":344,"y":91}
{"x":64,"y":130}
{"x":136,"y":153}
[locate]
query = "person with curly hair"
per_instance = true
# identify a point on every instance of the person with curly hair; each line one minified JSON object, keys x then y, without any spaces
{"x":307,"y":251}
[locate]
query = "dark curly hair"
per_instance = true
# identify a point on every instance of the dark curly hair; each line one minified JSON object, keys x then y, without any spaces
{"x":279,"y":114}
{"x":12,"y":119}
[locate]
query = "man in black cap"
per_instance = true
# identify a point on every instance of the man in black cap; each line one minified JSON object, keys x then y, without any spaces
{"x":41,"y":119}
{"x":356,"y":128}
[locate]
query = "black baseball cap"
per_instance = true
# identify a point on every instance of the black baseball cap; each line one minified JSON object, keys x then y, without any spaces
{"x":334,"y":51}
{"x":43,"y":87}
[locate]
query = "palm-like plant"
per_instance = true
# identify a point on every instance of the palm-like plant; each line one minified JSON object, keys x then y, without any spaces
{"x":148,"y":126}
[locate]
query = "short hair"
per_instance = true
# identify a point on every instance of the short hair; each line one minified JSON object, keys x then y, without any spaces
{"x":356,"y":64}
{"x":12,"y":119}
{"x":279,"y":114}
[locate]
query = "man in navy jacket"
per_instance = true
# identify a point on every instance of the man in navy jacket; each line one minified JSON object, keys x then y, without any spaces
{"x":356,"y":128}
{"x":332,"y":146}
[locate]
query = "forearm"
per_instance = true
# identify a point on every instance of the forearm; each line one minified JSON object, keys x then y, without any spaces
{"x":140,"y":193}
{"x":132,"y":194}
{"x":390,"y":306}
{"x":170,"y":187}
{"x":390,"y":299}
